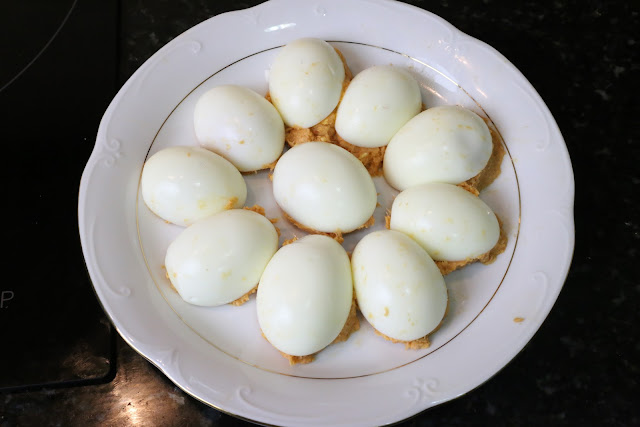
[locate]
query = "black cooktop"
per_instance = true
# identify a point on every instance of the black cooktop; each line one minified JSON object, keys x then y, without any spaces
{"x":59,"y":71}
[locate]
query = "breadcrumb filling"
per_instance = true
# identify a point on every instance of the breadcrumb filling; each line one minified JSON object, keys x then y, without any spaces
{"x":419,"y":343}
{"x":336,"y":235}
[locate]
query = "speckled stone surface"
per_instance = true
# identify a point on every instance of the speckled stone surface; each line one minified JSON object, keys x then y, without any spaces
{"x":583,"y":365}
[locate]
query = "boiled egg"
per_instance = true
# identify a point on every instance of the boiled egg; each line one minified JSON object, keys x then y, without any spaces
{"x":220,"y":258}
{"x":442,"y":144}
{"x":324,"y":187}
{"x":377,"y":103}
{"x":399,"y":288}
{"x":183,"y":184}
{"x":240,"y":125}
{"x":450,"y":223}
{"x":305,"y":295}
{"x":305,"y":81}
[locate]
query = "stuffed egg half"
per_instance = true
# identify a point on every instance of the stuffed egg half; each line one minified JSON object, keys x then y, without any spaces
{"x":378,"y":101}
{"x":240,"y":125}
{"x":450,"y":223}
{"x":220,"y":258}
{"x":399,"y":288}
{"x":183,"y":184}
{"x":442,"y":144}
{"x":305,"y":295}
{"x":324,"y":187}
{"x":305,"y":81}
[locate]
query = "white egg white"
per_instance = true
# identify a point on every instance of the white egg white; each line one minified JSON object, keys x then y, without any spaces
{"x":324,"y":187}
{"x":442,"y":144}
{"x":450,"y":223}
{"x":377,"y":103}
{"x":220,"y":258}
{"x":399,"y":288}
{"x":240,"y":125}
{"x":183,"y":184}
{"x":305,"y":295}
{"x":305,"y":81}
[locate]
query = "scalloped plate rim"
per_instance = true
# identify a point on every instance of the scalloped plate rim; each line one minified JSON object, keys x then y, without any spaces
{"x":106,"y":301}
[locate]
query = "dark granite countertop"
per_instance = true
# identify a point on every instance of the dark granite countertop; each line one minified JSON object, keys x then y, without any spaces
{"x":582,"y":366}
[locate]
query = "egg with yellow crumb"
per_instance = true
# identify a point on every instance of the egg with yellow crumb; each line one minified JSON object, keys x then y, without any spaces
{"x":240,"y":125}
{"x":450,"y":223}
{"x":324,"y":188}
{"x":441,"y":144}
{"x":305,"y":81}
{"x":220,"y":259}
{"x":305,"y":298}
{"x":377,"y":103}
{"x":399,"y":288}
{"x":183,"y":184}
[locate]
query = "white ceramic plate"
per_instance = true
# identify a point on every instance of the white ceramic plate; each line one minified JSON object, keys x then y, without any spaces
{"x":217,"y":354}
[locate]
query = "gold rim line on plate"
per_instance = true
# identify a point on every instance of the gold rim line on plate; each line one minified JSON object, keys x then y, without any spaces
{"x":345,"y":377}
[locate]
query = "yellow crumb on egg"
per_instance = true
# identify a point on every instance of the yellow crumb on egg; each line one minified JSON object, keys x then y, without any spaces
{"x":231,"y":203}
{"x":447,"y":267}
{"x":271,"y":166}
{"x":255,"y":208}
{"x":418,"y":344}
{"x":244,"y":298}
{"x":289,"y":241}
